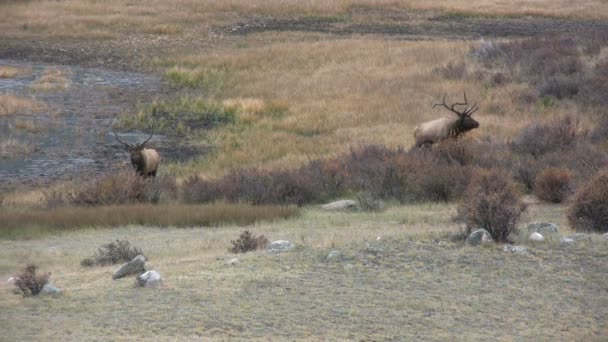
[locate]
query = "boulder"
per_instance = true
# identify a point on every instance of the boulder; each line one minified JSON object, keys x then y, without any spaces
{"x":11,"y":281}
{"x":49,"y":289}
{"x":605,"y":236}
{"x":574,"y":238}
{"x":542,"y":228}
{"x":279,"y":246}
{"x":150,"y":279}
{"x":135,"y":266}
{"x":340,"y":205}
{"x":233,"y":261}
{"x":536,"y":237}
{"x":479,"y":237}
{"x":516,"y":250}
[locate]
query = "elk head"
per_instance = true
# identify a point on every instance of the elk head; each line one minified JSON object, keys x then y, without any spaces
{"x":466,"y":122}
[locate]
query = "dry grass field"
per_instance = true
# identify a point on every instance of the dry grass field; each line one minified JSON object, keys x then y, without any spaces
{"x":286,"y":102}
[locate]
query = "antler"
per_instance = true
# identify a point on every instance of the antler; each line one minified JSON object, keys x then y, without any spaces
{"x":468,"y":111}
{"x":150,"y":137}
{"x":120,"y":141}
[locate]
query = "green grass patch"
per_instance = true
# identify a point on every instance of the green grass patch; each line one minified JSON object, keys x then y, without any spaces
{"x":182,"y":116}
{"x":210,"y":80}
{"x":31,"y":223}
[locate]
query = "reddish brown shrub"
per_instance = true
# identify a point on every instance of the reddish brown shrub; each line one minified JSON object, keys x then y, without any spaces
{"x":248,"y":242}
{"x":29,"y":282}
{"x":554,"y":135}
{"x":589,"y":210}
{"x":553,"y":184}
{"x":491,"y":202}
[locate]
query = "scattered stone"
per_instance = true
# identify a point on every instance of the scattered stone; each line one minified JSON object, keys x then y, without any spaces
{"x":349,"y":267}
{"x":135,"y":266}
{"x":479,"y":237}
{"x":605,"y":236}
{"x":150,"y":279}
{"x":542,"y":228}
{"x":340,"y":205}
{"x":516,"y":249}
{"x":575,"y":237}
{"x":333,"y":255}
{"x":233,"y":261}
{"x":11,"y":281}
{"x":280,"y":246}
{"x":378,"y":238}
{"x":537,"y":237}
{"x":49,"y":289}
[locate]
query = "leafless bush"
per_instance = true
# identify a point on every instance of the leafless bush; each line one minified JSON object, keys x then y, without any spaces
{"x":589,"y":210}
{"x":541,"y":138}
{"x":30,"y":283}
{"x":491,"y":202}
{"x":248,"y":242}
{"x":115,"y":252}
{"x":553,"y":184}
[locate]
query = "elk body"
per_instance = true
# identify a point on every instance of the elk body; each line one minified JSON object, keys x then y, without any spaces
{"x":430,"y":132}
{"x":145,"y":161}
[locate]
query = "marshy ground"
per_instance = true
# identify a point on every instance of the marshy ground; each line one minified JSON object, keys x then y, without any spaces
{"x":227,"y":85}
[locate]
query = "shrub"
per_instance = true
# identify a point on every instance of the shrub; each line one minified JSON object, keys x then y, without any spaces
{"x":452,"y":71}
{"x":115,"y":252}
{"x":115,"y":187}
{"x":368,"y":202}
{"x":87,"y":262}
{"x":248,"y":242}
{"x":553,"y":184}
{"x":491,"y":202}
{"x":589,"y":210}
{"x":29,"y":282}
{"x":554,"y":135}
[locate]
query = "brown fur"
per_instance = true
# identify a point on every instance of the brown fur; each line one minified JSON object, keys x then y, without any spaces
{"x":145,"y":161}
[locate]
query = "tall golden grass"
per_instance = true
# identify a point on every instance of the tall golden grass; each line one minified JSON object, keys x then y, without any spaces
{"x":11,"y":104}
{"x":16,"y":222}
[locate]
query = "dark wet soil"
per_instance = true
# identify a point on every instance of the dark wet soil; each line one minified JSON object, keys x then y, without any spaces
{"x":418,"y":25}
{"x":73,"y":134}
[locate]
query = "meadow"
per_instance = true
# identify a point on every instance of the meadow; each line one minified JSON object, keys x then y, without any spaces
{"x":265,"y":110}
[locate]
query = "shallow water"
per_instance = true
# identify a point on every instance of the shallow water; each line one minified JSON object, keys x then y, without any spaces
{"x":73,"y":133}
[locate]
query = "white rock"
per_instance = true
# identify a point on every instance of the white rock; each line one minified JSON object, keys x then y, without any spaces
{"x":605,"y":236}
{"x":333,"y":254}
{"x":479,"y":237}
{"x":135,"y":266}
{"x":11,"y":281}
{"x":340,"y":205}
{"x":150,"y":279}
{"x":516,"y":249}
{"x":537,"y":237}
{"x":279,"y":246}
{"x":575,"y":237}
{"x":49,"y":289}
{"x":233,"y":261}
{"x":542,"y":227}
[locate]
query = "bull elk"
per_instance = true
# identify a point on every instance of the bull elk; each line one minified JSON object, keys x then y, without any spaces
{"x":430,"y":132}
{"x":145,"y":161}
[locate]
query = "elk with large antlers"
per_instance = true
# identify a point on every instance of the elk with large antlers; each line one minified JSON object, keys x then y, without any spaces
{"x":145,"y":161}
{"x":430,"y":132}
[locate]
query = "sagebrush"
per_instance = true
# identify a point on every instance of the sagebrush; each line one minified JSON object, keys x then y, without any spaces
{"x":29,"y":282}
{"x":248,"y":242}
{"x":589,"y":209}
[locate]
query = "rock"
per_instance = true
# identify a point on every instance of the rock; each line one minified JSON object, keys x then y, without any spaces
{"x":575,"y":237}
{"x":333,"y":255}
{"x":536,"y":237}
{"x":280,"y":246}
{"x":49,"y":289}
{"x":542,"y":228}
{"x":11,"y":281}
{"x":479,"y":237}
{"x":233,"y":261}
{"x":605,"y":236}
{"x":516,"y":249}
{"x":340,"y":205}
{"x":135,"y":266}
{"x":150,"y":279}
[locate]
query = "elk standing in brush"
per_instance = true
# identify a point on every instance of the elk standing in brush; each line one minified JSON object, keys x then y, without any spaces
{"x":430,"y":132}
{"x":145,"y":161}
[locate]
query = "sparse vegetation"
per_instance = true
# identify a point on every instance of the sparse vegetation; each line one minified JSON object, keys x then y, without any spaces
{"x":115,"y":252}
{"x":30,"y":283}
{"x":248,"y":242}
{"x":491,"y":202}
{"x":8,"y":71}
{"x":53,"y":79}
{"x":12,"y":104}
{"x":589,"y":209}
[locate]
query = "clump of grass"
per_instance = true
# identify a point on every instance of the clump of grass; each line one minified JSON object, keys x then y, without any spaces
{"x":11,"y":104}
{"x":248,"y":242}
{"x":7,"y":71}
{"x":12,"y":148}
{"x":553,"y":184}
{"x":182,"y":116}
{"x":211,"y":81}
{"x":368,"y":202}
{"x":53,"y":79}
{"x":30,"y":283}
{"x":34,"y":222}
{"x":589,"y":209}
{"x":115,"y":252}
{"x":491,"y":202}
{"x":27,"y":125}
